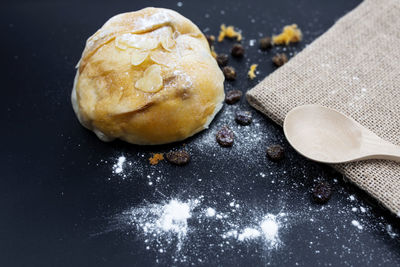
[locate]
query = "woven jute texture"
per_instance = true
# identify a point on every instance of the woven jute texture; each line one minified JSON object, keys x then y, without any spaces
{"x":355,"y":68}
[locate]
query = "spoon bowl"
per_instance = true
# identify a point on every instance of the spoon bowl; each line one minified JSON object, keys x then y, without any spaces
{"x":326,"y":135}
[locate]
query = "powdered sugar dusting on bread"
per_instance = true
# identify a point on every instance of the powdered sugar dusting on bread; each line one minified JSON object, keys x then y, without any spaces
{"x":159,"y":18}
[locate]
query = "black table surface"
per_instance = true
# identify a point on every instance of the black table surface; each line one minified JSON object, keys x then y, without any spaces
{"x":62,"y":204}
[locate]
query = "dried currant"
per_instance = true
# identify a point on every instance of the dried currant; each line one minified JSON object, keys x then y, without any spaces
{"x":237,"y":50}
{"x":222,"y":60}
{"x":275,"y":152}
{"x":225,"y":137}
{"x":180,"y":157}
{"x":280,"y":59}
{"x":265,"y":43}
{"x":322,"y":192}
{"x":243,"y":117}
{"x":233,"y":96}
{"x":229,"y":72}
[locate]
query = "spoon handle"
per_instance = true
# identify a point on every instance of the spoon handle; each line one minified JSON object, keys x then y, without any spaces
{"x":381,"y":149}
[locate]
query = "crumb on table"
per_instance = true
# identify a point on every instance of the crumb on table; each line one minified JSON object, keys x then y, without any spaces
{"x":228,"y":32}
{"x":252,"y":70}
{"x":213,"y":53}
{"x":156,"y":158}
{"x":290,"y":34}
{"x":210,"y":39}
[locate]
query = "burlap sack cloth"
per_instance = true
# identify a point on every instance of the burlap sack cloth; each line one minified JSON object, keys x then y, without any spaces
{"x":355,"y":68}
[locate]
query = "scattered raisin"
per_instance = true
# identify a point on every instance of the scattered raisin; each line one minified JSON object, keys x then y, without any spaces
{"x":222,"y":60}
{"x":233,"y":96}
{"x":280,"y":59}
{"x":210,"y":39}
{"x":322,"y":193}
{"x":229,"y":72}
{"x":237,"y":50}
{"x":243,"y":117}
{"x":180,"y":157}
{"x":225,"y":136}
{"x":265,"y":43}
{"x":275,"y":152}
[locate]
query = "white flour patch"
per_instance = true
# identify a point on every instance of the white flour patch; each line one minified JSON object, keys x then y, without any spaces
{"x":174,"y":217}
{"x":270,"y":228}
{"x":210,"y":212}
{"x":266,"y":231}
{"x":118,"y":167}
{"x":357,"y":224}
{"x":178,"y":228}
{"x":248,"y":234}
{"x":163,"y":224}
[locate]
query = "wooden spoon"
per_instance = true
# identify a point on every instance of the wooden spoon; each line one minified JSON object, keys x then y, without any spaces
{"x":326,"y":135}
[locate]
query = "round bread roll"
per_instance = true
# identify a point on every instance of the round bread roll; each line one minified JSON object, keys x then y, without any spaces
{"x":147,"y":77}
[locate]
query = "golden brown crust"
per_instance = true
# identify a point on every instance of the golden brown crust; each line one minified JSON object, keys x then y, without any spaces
{"x":111,"y":102}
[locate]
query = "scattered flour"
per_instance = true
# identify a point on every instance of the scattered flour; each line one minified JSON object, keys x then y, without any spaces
{"x":174,"y":217}
{"x":132,"y":167}
{"x":163,"y":223}
{"x":231,"y":233}
{"x":357,"y":224}
{"x":266,"y":231}
{"x":248,"y":139}
{"x":166,"y":229}
{"x":210,"y":212}
{"x":118,"y":167}
{"x":389,"y":230}
{"x":179,"y":228}
{"x":248,"y":234}
{"x":270,"y":229}
{"x":168,"y":226}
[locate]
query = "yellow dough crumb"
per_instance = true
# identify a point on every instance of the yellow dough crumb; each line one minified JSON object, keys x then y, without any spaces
{"x":252,"y":70}
{"x":228,"y":32}
{"x":157,"y":157}
{"x":290,"y":34}
{"x":213,"y":53}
